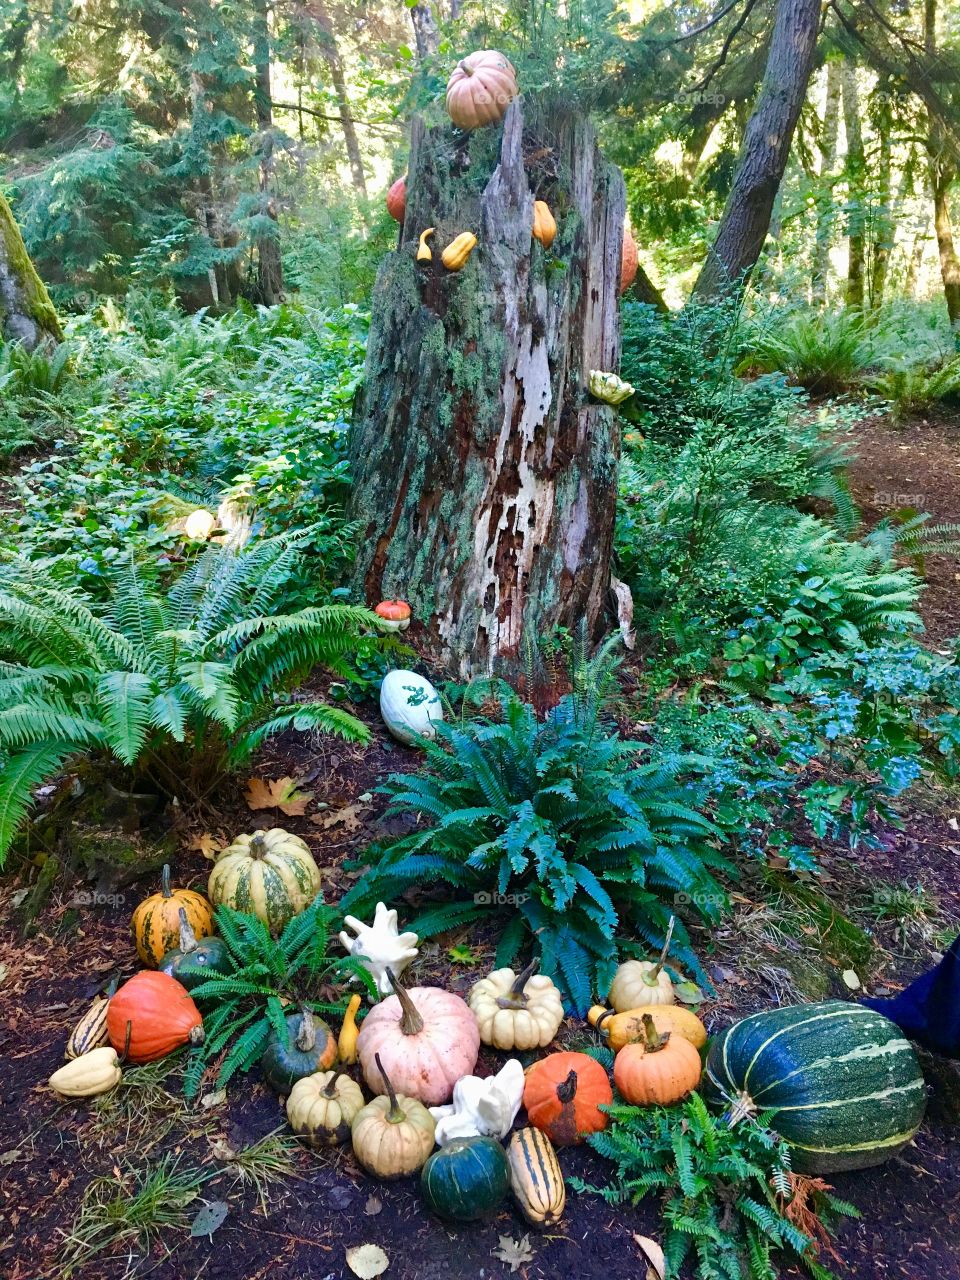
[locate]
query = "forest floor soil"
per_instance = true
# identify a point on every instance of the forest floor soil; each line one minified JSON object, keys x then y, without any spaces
{"x":50,"y":1152}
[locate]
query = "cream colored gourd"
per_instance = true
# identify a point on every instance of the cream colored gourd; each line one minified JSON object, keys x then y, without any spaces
{"x":321,"y":1108}
{"x":428,"y":1039}
{"x":392,"y":1136}
{"x":90,"y":1074}
{"x":535,"y":1177}
{"x":516,"y":1011}
{"x":643,"y":982}
{"x":270,"y":874}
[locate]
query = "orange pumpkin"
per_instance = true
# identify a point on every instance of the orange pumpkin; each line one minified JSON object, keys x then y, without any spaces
{"x":156,"y":921}
{"x":397,"y":199}
{"x":563,"y":1094}
{"x":150,"y":1016}
{"x":544,"y":223}
{"x":395,"y":613}
{"x":480,"y":89}
{"x":629,"y":260}
{"x":658,"y":1070}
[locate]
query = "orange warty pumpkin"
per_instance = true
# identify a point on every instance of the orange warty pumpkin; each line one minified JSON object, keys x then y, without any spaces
{"x":658,"y":1070}
{"x":563,"y":1095}
{"x":397,"y":199}
{"x":480,"y":89}
{"x":156,"y":921}
{"x":629,"y":260}
{"x":150,"y":1016}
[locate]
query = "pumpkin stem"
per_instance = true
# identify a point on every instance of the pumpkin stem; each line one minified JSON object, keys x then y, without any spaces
{"x":330,"y":1089}
{"x":394,"y":1115}
{"x":517,"y":994}
{"x":165,"y":889}
{"x":663,"y":954}
{"x":188,"y":939}
{"x":258,"y":845}
{"x":196,"y":1034}
{"x":411,"y":1024}
{"x":653,"y":1040}
{"x":126,"y":1041}
{"x":567,"y":1089}
{"x":307,"y":1035}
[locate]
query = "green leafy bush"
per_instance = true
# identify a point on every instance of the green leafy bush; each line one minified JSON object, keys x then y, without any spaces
{"x":729,"y":1200}
{"x":583,"y":840}
{"x":826,"y":352}
{"x":176,"y":685}
{"x":267,"y":976}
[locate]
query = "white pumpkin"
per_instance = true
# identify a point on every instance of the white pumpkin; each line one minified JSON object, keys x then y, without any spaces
{"x":200,"y":524}
{"x":410,"y":706}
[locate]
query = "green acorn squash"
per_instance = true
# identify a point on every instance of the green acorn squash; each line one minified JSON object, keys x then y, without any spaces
{"x":310,"y":1047}
{"x":195,"y":961}
{"x":466,"y":1180}
{"x":845,"y":1084}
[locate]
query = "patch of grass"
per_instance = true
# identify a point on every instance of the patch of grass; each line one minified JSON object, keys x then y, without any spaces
{"x":136,"y":1210}
{"x":262,"y":1165}
{"x":141,"y":1108}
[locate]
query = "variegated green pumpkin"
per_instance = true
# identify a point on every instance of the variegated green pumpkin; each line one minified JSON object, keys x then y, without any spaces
{"x":270,"y":874}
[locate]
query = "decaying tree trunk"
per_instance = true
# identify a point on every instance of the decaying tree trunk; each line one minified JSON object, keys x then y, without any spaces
{"x":484,"y":475}
{"x":26,"y":313}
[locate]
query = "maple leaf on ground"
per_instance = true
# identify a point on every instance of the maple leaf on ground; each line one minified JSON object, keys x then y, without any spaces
{"x":516,"y":1252}
{"x":206,"y":844}
{"x":281,"y":793}
{"x":348,"y":816}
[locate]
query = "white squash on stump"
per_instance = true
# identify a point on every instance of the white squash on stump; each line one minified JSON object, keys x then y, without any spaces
{"x":410,"y":706}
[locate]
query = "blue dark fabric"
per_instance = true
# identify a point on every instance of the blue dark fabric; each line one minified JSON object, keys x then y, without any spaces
{"x":928,"y":1011}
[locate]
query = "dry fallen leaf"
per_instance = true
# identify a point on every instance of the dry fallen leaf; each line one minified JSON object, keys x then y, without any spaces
{"x":221,"y":1149}
{"x":515,"y":1252}
{"x":372,"y":1207}
{"x":215,"y":1099}
{"x":281,"y":793}
{"x":206,"y":844}
{"x":348,"y":816}
{"x":656,"y":1263}
{"x":367,"y":1261}
{"x":851,"y":980}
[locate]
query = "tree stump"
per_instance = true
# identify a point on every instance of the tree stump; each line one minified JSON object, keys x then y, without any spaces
{"x":484,"y":476}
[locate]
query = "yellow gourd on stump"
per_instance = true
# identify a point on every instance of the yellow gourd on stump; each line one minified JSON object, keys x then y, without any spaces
{"x":458,"y":251}
{"x":544,"y":223}
{"x":424,"y":253}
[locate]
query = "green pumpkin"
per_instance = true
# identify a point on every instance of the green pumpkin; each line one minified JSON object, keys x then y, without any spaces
{"x":844,"y":1081}
{"x":466,"y":1180}
{"x":310,"y":1047}
{"x":194,"y":962}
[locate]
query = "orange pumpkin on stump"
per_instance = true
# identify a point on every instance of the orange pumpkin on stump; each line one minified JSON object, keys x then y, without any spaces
{"x":563,"y":1095}
{"x":150,"y":1016}
{"x":629,"y":260}
{"x":397,"y":199}
{"x":658,"y":1070}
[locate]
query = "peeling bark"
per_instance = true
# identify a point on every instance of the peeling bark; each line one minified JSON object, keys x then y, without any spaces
{"x":484,"y":478}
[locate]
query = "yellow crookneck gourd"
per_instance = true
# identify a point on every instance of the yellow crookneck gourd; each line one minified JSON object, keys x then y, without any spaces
{"x":458,"y":251}
{"x":544,"y":223}
{"x":424,"y":252}
{"x":619,"y":1029}
{"x":349,"y":1032}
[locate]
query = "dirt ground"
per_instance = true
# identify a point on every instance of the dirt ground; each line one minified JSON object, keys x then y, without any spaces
{"x":49,"y":1152}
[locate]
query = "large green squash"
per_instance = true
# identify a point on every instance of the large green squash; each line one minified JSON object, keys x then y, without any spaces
{"x":845,"y":1084}
{"x":466,"y":1180}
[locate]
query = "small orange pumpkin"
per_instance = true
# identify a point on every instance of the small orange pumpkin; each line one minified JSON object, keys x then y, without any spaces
{"x":156,"y":921}
{"x":480,"y":89}
{"x":563,"y":1094}
{"x":629,"y":260}
{"x":397,"y":199}
{"x":151,"y":1015}
{"x":544,"y":223}
{"x":395,"y":614}
{"x":658,"y":1070}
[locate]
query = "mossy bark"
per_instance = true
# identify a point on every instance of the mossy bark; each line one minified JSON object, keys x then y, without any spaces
{"x":26,"y":313}
{"x":484,"y":475}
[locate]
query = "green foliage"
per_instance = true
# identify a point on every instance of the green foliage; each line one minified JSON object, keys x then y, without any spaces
{"x":912,"y":389}
{"x":242,"y":1007}
{"x":724,"y":1190}
{"x":176,"y":685}
{"x":587,"y":839}
{"x":826,"y":352}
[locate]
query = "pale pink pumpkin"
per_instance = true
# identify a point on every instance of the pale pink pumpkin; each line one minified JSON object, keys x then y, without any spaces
{"x":427,"y":1040}
{"x":480,"y":89}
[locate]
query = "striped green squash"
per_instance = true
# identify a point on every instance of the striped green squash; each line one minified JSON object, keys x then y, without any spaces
{"x":269,"y":874}
{"x":845,"y":1084}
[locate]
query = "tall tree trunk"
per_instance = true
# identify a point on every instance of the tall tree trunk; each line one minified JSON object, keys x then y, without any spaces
{"x":765,"y":150}
{"x":883,"y":231}
{"x":425,"y":30}
{"x":331,"y":53}
{"x":856,"y":173}
{"x":942,"y":174}
{"x":484,"y":474}
{"x":26,"y":313}
{"x":269,"y":262}
{"x":828,"y":159}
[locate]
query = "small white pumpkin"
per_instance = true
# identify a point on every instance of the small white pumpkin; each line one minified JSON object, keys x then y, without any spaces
{"x":643,"y":982}
{"x":410,"y":706}
{"x":200,"y":524}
